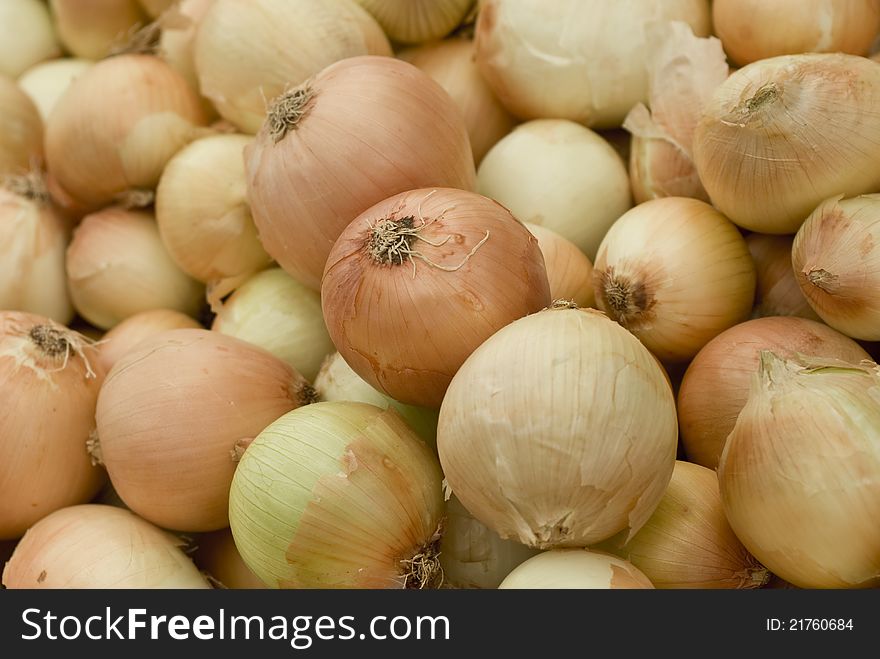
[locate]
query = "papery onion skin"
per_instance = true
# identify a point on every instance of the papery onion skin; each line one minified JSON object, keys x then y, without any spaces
{"x":46,"y":83}
{"x":217,"y":555}
{"x":417,"y":21}
{"x":93,"y":28}
{"x":172,"y":414}
{"x":569,"y":271}
{"x":49,"y":382}
{"x":576,"y":569}
{"x":716,"y":385}
{"x":406,"y":323}
{"x":336,"y":495}
{"x":559,"y":431}
{"x":798,"y":120}
{"x":26,"y":36}
{"x":777,"y":292}
{"x":800,"y":472}
{"x":126,"y":336}
{"x":302,"y":200}
{"x":21,"y":130}
{"x":94,"y":546}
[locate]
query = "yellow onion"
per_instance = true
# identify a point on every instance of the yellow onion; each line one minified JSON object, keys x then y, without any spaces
{"x":274,"y":311}
{"x":95,"y":546}
{"x":569,"y":271}
{"x":33,"y":240}
{"x":676,"y":273}
{"x":417,"y":21}
{"x":688,"y":543}
{"x":203,"y":215}
{"x":559,"y":431}
{"x":132,"y":331}
{"x":777,"y":292}
{"x":21,"y":130}
{"x":800,"y":473}
{"x":278,"y":44}
{"x":472,"y":555}
{"x":155,"y":8}
{"x":836,"y":259}
{"x":716,"y":384}
{"x":784,"y":134}
{"x":418,"y":281}
{"x":558,"y":174}
{"x":177,"y":39}
{"x":339,"y":495}
{"x":117,"y":126}
{"x":306,"y":168}
{"x":217,"y":555}
{"x":757,"y":29}
{"x":94,"y":28}
{"x":117,"y":267}
{"x":49,"y":381}
{"x":46,"y":83}
{"x":585,"y":60}
{"x":575,"y":569}
{"x":174,"y":415}
{"x":26,"y":36}
{"x":451,"y":64}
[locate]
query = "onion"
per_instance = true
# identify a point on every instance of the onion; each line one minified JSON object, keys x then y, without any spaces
{"x":93,"y":28}
{"x":559,"y":431}
{"x":132,"y":331}
{"x":278,"y":44}
{"x":417,"y":21}
{"x":688,"y":543}
{"x":305,"y":169}
{"x":800,"y":473}
{"x":836,"y":259}
{"x":26,"y":36}
{"x":451,"y":64}
{"x":569,"y":271}
{"x":178,"y":36}
{"x":46,"y":83}
{"x":716,"y":385}
{"x":575,"y":569}
{"x":203,"y":215}
{"x":277,"y":313}
{"x":94,"y":546}
{"x":33,"y":239}
{"x":472,"y":555}
{"x":117,"y":267}
{"x":585,"y":60}
{"x":218,"y":556}
{"x":757,"y":29}
{"x":676,"y":273}
{"x":175,"y":413}
{"x":800,"y":121}
{"x":338,"y":495}
{"x":778,"y":293}
{"x":49,"y":383}
{"x":155,"y":8}
{"x":117,"y":126}
{"x":21,"y":131}
{"x":560,"y":175}
{"x":417,"y":282}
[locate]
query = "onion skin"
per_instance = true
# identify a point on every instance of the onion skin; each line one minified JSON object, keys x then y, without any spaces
{"x":21,"y":130}
{"x":218,"y":556}
{"x":46,"y":83}
{"x":715,"y":387}
{"x":417,"y":21}
{"x":92,"y":28}
{"x":429,"y":319}
{"x":126,"y":336}
{"x":575,"y":569}
{"x":777,"y":293}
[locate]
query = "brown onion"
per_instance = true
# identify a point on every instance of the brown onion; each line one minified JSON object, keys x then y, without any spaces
{"x":777,"y":293}
{"x":126,"y":336}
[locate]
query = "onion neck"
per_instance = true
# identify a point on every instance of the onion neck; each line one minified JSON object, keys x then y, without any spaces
{"x":822,"y":279}
{"x":29,"y":186}
{"x":625,"y":299}
{"x":288,"y":110}
{"x":423,"y":570}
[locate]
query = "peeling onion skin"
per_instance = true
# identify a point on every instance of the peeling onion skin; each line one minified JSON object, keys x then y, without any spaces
{"x":576,"y":569}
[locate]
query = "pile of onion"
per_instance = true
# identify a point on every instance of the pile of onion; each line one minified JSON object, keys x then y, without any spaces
{"x":576,"y":569}
{"x":21,"y":130}
{"x":26,"y":36}
{"x":777,"y":292}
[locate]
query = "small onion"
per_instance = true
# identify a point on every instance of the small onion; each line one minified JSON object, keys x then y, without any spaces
{"x":95,"y":546}
{"x":306,"y":168}
{"x":117,"y":126}
{"x":338,"y":495}
{"x":451,"y":64}
{"x":21,"y":130}
{"x":688,"y":543}
{"x":560,"y":175}
{"x":26,"y":36}
{"x":418,"y":281}
{"x":417,"y":21}
{"x":559,"y":431}
{"x":576,"y":569}
{"x":117,"y":267}
{"x":93,"y":28}
{"x":132,"y":331}
{"x":274,"y":311}
{"x":218,"y":556}
{"x":175,"y":412}
{"x":836,"y":259}
{"x":800,"y":472}
{"x":676,"y":273}
{"x":569,"y":271}
{"x":49,"y":381}
{"x":278,"y":44}
{"x":752,"y":30}
{"x":777,"y":293}
{"x":46,"y":83}
{"x":716,"y":384}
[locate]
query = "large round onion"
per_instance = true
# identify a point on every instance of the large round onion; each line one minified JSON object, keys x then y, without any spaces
{"x":417,"y":282}
{"x":46,"y":83}
{"x":126,"y":336}
{"x":26,"y":36}
{"x":576,"y":569}
{"x":559,"y":431}
{"x":306,"y":168}
{"x":21,"y":130}
{"x":415,"y":21}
